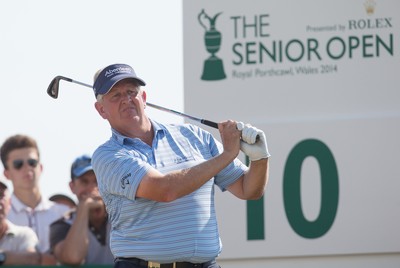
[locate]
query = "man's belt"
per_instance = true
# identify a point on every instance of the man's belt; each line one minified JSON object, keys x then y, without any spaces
{"x":151,"y":264}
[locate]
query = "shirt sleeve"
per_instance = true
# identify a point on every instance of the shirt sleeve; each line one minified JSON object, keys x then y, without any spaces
{"x":119,"y":172}
{"x":26,"y":240}
{"x":58,"y":231}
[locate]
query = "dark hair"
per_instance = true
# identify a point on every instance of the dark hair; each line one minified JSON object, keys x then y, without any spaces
{"x":59,"y":197}
{"x":16,"y":142}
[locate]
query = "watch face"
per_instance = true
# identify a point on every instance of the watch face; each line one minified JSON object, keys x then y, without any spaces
{"x":2,"y":257}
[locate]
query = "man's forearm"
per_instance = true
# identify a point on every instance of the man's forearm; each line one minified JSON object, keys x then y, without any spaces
{"x":256,"y":179}
{"x":73,"y":249}
{"x":169,"y":187}
{"x":22,"y":258}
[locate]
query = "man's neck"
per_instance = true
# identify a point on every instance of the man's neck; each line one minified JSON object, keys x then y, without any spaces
{"x":30,"y":198}
{"x":143,"y":131}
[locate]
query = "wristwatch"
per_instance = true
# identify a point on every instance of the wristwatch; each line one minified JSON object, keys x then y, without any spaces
{"x":2,"y":258}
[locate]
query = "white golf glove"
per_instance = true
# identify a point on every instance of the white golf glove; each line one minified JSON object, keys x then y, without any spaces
{"x":253,"y":143}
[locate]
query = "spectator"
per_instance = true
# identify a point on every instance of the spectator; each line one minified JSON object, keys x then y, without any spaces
{"x":82,"y":236}
{"x":18,"y":244}
{"x":21,"y":160}
{"x":63,"y":199}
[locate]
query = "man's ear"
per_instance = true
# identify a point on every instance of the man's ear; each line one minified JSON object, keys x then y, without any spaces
{"x":72,"y":186}
{"x":144,"y":96}
{"x":5,"y":173}
{"x":100,"y":109}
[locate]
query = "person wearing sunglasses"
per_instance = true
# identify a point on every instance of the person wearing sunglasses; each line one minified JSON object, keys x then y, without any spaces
{"x":21,"y":160}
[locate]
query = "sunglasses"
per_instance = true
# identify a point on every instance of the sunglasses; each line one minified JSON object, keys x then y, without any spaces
{"x":18,"y":163}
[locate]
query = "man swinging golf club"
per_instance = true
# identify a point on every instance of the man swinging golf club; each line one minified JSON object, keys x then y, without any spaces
{"x":157,"y":180}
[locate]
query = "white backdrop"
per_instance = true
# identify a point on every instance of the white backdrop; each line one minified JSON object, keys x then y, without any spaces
{"x":331,"y":75}
{"x":41,"y":39}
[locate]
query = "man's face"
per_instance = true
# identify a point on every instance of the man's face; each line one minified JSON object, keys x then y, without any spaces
{"x":123,"y":104}
{"x":23,"y":168}
{"x":5,"y":203}
{"x":85,"y":186}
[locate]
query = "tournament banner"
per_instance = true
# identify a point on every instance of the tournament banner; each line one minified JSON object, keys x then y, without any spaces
{"x":321,"y":78}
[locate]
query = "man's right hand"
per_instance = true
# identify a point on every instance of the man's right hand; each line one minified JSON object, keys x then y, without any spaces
{"x":230,"y":137}
{"x":91,"y":201}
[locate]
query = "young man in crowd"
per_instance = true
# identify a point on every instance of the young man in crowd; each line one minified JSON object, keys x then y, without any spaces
{"x":21,"y":160}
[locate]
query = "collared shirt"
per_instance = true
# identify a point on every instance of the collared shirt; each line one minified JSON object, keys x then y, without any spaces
{"x":19,"y":239}
{"x":39,"y":218}
{"x":182,"y":230}
{"x":99,"y":243}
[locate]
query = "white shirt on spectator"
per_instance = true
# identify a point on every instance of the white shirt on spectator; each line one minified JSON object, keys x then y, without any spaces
{"x":18,"y":238}
{"x":39,"y":218}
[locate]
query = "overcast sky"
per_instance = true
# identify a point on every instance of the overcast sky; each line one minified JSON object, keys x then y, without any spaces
{"x":44,"y":38}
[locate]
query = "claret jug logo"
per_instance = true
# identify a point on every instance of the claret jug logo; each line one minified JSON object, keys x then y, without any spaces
{"x":369,"y":7}
{"x":213,"y":68}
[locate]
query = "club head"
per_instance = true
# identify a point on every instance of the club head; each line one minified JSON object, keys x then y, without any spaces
{"x":53,"y":88}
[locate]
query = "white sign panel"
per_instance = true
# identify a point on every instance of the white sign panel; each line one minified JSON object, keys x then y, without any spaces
{"x":321,"y":78}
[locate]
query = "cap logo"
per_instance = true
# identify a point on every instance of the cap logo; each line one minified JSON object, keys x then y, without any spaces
{"x":112,"y":74}
{"x":117,"y":70}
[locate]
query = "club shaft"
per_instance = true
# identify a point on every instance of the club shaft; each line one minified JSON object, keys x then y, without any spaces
{"x":203,"y":121}
{"x":54,"y":88}
{"x":80,"y":83}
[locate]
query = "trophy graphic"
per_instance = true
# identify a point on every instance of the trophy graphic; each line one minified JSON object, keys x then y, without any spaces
{"x":213,"y":68}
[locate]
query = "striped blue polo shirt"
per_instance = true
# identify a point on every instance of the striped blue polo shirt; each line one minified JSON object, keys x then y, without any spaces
{"x":182,"y":230}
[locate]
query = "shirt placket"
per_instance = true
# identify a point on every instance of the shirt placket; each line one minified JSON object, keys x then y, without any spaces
{"x":32,"y":221}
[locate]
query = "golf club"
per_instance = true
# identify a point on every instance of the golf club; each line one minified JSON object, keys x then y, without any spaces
{"x":54,"y":86}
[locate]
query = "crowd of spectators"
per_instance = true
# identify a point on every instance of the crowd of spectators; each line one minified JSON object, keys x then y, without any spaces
{"x":36,"y":230}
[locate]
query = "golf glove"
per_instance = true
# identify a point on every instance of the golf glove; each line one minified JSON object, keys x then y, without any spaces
{"x":254,"y":142}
